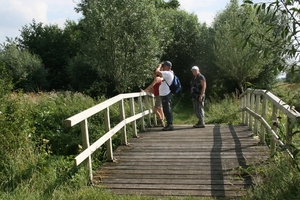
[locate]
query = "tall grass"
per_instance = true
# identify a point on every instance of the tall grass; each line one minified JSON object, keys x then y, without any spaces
{"x":277,"y":179}
{"x":225,"y":111}
{"x":280,"y":177}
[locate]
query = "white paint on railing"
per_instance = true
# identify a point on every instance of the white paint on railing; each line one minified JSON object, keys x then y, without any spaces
{"x":110,"y":132}
{"x":277,"y":105}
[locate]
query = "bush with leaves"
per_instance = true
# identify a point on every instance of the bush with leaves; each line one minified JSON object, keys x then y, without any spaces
{"x":283,"y":23}
{"x":27,"y":71}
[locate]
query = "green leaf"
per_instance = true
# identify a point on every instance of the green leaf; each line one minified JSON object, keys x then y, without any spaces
{"x":248,"y":1}
{"x":263,"y":6}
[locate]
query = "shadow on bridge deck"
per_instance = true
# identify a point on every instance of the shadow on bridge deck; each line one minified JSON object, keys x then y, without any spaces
{"x":184,"y":162}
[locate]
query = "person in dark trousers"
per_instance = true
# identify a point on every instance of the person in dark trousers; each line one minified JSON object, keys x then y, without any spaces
{"x":165,"y":94}
{"x":198,"y":87}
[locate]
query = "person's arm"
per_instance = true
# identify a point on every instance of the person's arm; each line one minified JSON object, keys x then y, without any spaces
{"x":203,"y":84}
{"x":150,"y":87}
{"x":158,"y":70}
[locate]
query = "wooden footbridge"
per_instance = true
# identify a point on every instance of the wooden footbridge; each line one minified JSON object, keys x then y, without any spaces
{"x":203,"y":162}
{"x":184,"y":162}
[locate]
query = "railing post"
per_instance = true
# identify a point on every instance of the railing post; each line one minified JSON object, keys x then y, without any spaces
{"x":132,"y":111}
{"x":264,"y":116}
{"x":86,"y":144}
{"x":142,"y":118}
{"x":122,"y":117}
{"x":148,"y":108}
{"x":247,"y":105}
{"x":242,"y":106}
{"x":154,"y":115}
{"x":109,"y":146}
{"x":289,"y":130}
{"x":257,"y":103}
{"x":274,"y":127}
{"x":252,"y":100}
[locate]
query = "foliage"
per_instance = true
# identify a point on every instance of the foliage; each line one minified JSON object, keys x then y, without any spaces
{"x":54,"y":46}
{"x":185,"y":49}
{"x":26,"y":70}
{"x":293,"y":76}
{"x":224,"y":111}
{"x":48,"y":111}
{"x":285,"y":30}
{"x":37,"y":168}
{"x":17,"y":149}
{"x":216,"y":86}
{"x":32,"y":135}
{"x":37,"y":151}
{"x":89,"y":84}
{"x":289,"y":93}
{"x":172,"y":4}
{"x":5,"y":81}
{"x":123,"y":40}
{"x":277,"y":179}
{"x":236,"y":60}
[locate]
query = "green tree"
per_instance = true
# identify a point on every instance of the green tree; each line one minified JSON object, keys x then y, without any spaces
{"x":173,"y":4}
{"x":54,"y":46}
{"x":293,"y":76}
{"x":216,"y":82}
{"x":5,"y":81}
{"x":26,"y":70}
{"x":239,"y":62}
{"x":122,"y":40}
{"x":283,"y":23}
{"x":185,"y":49}
{"x":89,"y":83}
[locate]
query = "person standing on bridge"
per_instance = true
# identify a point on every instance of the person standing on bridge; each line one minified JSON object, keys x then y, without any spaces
{"x":198,"y":87}
{"x":154,"y":88}
{"x":164,"y":70}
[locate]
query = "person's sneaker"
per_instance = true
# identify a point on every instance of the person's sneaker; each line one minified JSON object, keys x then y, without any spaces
{"x":169,"y":127}
{"x":160,"y":123}
{"x":198,"y":123}
{"x":199,"y":126}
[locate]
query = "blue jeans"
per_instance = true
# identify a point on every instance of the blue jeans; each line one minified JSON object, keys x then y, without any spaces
{"x":167,"y":107}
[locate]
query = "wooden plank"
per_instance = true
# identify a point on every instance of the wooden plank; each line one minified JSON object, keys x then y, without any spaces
{"x":163,"y":193}
{"x":183,"y":162}
{"x":103,"y":178}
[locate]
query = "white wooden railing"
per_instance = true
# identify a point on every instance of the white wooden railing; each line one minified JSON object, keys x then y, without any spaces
{"x":139,"y":100}
{"x":264,"y":107}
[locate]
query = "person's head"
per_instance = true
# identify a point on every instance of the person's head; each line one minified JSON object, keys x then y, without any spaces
{"x":195,"y":70}
{"x":155,"y":73}
{"x":166,"y":65}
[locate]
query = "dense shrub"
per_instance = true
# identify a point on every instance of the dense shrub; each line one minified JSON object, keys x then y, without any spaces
{"x":34,"y":140}
{"x":37,"y":149}
{"x":26,"y":70}
{"x":277,"y":179}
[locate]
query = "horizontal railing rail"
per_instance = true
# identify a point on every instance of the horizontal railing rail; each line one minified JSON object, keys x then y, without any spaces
{"x":254,"y":104}
{"x":140,"y":100}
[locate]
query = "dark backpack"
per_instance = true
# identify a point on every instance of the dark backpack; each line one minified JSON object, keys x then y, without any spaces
{"x":175,"y":87}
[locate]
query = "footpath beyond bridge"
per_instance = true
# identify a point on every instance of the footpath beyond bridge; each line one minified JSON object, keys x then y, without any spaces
{"x":184,"y":162}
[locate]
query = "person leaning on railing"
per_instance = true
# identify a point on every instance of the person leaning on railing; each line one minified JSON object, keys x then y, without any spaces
{"x":165,"y":93}
{"x":154,"y":88}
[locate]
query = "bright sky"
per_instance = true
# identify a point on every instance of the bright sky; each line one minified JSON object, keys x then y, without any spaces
{"x":15,"y":14}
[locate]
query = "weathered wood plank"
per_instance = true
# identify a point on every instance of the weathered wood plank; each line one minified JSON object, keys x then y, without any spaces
{"x":184,"y":162}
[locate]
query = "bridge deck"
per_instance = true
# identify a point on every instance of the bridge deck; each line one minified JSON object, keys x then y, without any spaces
{"x":184,"y":162}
